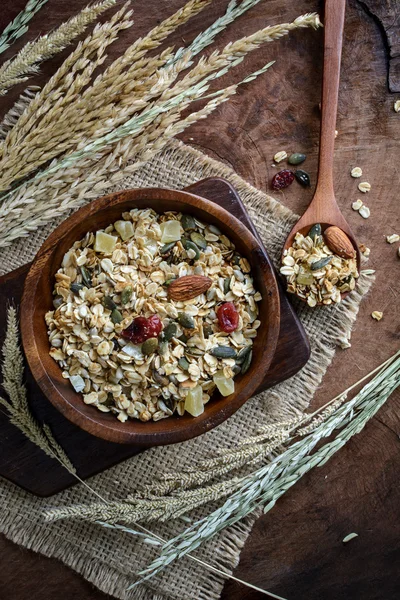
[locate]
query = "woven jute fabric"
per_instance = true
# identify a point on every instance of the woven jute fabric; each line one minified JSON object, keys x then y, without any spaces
{"x":110,"y":559}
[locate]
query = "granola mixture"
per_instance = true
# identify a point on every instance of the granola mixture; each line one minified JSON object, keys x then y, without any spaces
{"x":123,"y":337}
{"x":314,"y":272}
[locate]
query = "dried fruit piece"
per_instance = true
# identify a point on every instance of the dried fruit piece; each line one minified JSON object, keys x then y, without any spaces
{"x":296,"y":158}
{"x":282,"y":179}
{"x":356,"y":172}
{"x":228,"y":317}
{"x":124,"y":229}
{"x":315,"y":231}
{"x":141,"y":329}
{"x":188,"y":223}
{"x":223,"y":352}
{"x":104,"y":242}
{"x":303,"y":178}
{"x":280,"y":156}
{"x":364,"y":187}
{"x":305,"y":278}
{"x":338,"y":242}
{"x":226,"y":386}
{"x":188,"y":287}
{"x":155,"y":324}
{"x":194,"y":401}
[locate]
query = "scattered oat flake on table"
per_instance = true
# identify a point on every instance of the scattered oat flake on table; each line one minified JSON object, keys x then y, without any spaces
{"x":391,"y":239}
{"x":365,"y":251}
{"x":357,"y":204}
{"x":364,"y":187}
{"x":280,"y":156}
{"x":356,"y":172}
{"x":349,"y":537}
{"x":364,"y":212}
{"x":396,"y":106}
{"x":377,"y":315}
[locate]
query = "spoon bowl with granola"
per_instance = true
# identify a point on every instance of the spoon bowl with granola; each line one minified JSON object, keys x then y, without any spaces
{"x":150,"y":316}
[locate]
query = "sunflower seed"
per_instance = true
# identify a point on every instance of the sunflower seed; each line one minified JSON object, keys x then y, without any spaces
{"x":223,"y":352}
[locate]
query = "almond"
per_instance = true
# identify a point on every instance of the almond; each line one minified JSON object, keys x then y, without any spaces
{"x":188,"y":287}
{"x":338,"y":242}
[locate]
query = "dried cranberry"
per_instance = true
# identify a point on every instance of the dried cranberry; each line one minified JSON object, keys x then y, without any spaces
{"x":228,"y":317}
{"x":141,"y":329}
{"x":282,"y":179}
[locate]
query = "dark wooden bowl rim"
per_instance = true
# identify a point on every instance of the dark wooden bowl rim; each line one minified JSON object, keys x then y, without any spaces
{"x":37,"y":300}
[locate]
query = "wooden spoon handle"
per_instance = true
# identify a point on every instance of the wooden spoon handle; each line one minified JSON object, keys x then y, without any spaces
{"x":333,"y":37}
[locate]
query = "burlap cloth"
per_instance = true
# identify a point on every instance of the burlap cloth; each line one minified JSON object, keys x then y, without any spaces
{"x":109,"y":559}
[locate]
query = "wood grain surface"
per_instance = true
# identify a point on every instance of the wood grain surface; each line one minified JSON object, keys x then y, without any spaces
{"x":296,"y":550}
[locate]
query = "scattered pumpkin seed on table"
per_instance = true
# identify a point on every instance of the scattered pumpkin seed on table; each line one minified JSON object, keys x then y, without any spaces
{"x":296,"y":158}
{"x":303,"y":178}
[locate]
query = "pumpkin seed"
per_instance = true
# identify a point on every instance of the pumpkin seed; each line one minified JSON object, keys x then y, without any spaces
{"x":303,"y":178}
{"x":242,"y":354}
{"x":199,"y":240}
{"x":169,"y":332}
{"x":126,"y":294}
{"x":236,"y":369}
{"x":321,"y":263}
{"x":189,"y":245}
{"x":186,"y":321}
{"x":76,"y":287}
{"x":315,"y":231}
{"x":183,"y":363}
{"x":296,"y":158}
{"x":227,"y":285}
{"x":163,"y":348}
{"x":167,"y":248}
{"x":223,"y":352}
{"x":169,"y":281}
{"x":192,"y":351}
{"x":188,"y":222}
{"x":184,"y":338}
{"x":236,"y":259}
{"x":116,"y":316}
{"x":108,"y":302}
{"x":86,"y":277}
{"x":149,"y":346}
{"x":207,"y":330}
{"x":246,"y":363}
{"x":214,"y":229}
{"x":58,"y":300}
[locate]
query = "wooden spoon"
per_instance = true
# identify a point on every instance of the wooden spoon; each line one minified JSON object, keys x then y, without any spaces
{"x":323,"y":207}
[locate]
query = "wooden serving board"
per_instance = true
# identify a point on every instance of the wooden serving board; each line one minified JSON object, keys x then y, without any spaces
{"x":28,"y":467}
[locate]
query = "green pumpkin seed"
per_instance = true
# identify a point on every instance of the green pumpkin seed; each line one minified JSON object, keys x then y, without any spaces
{"x":163,"y":348}
{"x":169,"y":332}
{"x":321,"y":263}
{"x":242,"y":354}
{"x":236,"y":259}
{"x":189,"y":245}
{"x":169,"y":281}
{"x":246,"y":363}
{"x":192,"y":351}
{"x":126,"y":294}
{"x":109,"y":401}
{"x":296,"y":158}
{"x":303,"y":178}
{"x":166,"y":249}
{"x":116,"y":316}
{"x":188,"y":222}
{"x":207,"y":330}
{"x":227,"y":285}
{"x":183,"y":363}
{"x":315,"y":231}
{"x":236,"y":369}
{"x":76,"y":287}
{"x":58,"y":300}
{"x":186,"y":321}
{"x":184,"y":338}
{"x":213,"y":229}
{"x":86,"y":277}
{"x":199,"y":240}
{"x":223,"y":352}
{"x":109,"y":303}
{"x":149,"y":346}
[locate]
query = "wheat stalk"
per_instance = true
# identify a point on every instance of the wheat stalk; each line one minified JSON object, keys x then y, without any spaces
{"x":19,"y":25}
{"x":25,"y":63}
{"x":15,"y":112}
{"x":17,"y":406}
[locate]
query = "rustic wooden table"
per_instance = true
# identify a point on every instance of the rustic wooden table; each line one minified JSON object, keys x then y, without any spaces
{"x":296,"y":550}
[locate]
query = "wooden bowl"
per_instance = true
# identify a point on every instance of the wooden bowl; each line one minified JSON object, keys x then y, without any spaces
{"x":37,"y":300}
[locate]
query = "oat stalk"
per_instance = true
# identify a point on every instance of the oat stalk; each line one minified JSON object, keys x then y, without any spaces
{"x":17,"y":404}
{"x":19,"y":25}
{"x":26,"y":62}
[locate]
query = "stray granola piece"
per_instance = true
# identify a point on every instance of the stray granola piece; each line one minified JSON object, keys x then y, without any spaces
{"x":364,"y":187}
{"x":377,"y":315}
{"x":280,"y":156}
{"x":356,"y":172}
{"x":364,"y":212}
{"x":391,"y":239}
{"x":365,"y":251}
{"x":357,"y":204}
